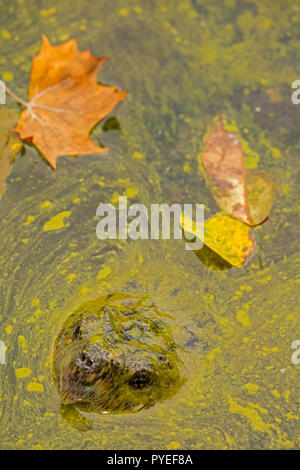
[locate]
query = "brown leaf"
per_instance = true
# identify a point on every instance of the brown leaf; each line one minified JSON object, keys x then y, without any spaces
{"x":243,"y":195}
{"x":9,"y":144}
{"x":65,"y":101}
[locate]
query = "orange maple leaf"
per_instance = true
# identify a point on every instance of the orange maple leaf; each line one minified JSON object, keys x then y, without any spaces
{"x":65,"y":101}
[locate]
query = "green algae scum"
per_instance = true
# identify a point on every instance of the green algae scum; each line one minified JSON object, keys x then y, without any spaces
{"x":194,"y":353}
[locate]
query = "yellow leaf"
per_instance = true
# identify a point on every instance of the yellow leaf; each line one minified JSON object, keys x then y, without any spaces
{"x":228,"y":237}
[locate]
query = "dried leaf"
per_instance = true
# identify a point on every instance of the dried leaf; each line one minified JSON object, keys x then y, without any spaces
{"x":228,"y":237}
{"x":9,"y":144}
{"x":231,"y":185}
{"x":65,"y":101}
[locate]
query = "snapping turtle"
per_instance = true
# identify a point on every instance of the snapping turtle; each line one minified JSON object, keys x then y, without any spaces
{"x":116,"y":354}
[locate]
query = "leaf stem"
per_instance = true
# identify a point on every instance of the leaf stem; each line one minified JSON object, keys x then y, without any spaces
{"x":16,"y":98}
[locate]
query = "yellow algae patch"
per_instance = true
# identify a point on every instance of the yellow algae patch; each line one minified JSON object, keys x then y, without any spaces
{"x":292,"y":416}
{"x":37,"y":447}
{"x":104,"y":273}
{"x":265,"y":280}
{"x":8,"y":329}
{"x":243,"y":318}
{"x":84,"y":290}
{"x":72,"y":255}
{"x":115,"y":198}
{"x":173,"y":445}
{"x":71,"y":277}
{"x":186,"y":167}
{"x":46,"y":205}
{"x":38,"y":313}
{"x":6,"y":34}
{"x":251,"y":388}
{"x":246,"y":288}
{"x":266,"y":350}
{"x":23,"y":372}
{"x":57,"y":222}
{"x":210,"y":356}
{"x":258,"y":407}
{"x":35,"y":387}
{"x":276,"y":152}
{"x":7,"y":76}
{"x":251,"y":414}
{"x":137,"y":155}
{"x":124,"y":11}
{"x":29,"y":219}
{"x":64,"y":37}
{"x":131,"y":192}
{"x":15,"y":146}
{"x":32,"y":319}
{"x":22,"y":343}
{"x":45,"y":13}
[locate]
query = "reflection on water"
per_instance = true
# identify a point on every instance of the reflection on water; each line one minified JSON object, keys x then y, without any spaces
{"x":212,"y":260}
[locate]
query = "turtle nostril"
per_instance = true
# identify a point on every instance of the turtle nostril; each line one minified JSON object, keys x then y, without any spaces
{"x":85,"y":360}
{"x":89,"y":362}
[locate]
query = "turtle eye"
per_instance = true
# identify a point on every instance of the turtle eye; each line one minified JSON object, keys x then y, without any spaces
{"x":140,"y":379}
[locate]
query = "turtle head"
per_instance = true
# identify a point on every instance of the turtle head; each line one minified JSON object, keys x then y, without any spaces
{"x":116,"y":354}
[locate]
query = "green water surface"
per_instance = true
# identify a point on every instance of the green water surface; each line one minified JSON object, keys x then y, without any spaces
{"x":183,"y":62}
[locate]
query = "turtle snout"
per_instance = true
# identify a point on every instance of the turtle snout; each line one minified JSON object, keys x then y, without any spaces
{"x":86,"y":362}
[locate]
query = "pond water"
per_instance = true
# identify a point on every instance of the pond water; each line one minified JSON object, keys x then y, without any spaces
{"x":183,"y":62}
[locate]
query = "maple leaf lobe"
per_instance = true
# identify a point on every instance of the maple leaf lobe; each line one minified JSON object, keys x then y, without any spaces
{"x":65,"y":101}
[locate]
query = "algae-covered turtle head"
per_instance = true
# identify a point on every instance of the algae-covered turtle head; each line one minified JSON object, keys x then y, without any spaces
{"x":116,"y":354}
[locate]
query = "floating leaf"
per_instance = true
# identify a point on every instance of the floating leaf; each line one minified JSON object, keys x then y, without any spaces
{"x":260,"y":194}
{"x":240,"y":194}
{"x":65,"y":101}
{"x":228,"y":237}
{"x":9,"y":144}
